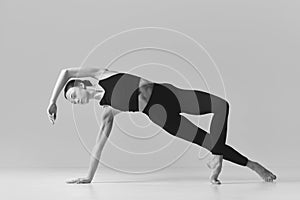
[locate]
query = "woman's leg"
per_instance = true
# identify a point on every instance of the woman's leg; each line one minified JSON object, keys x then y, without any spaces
{"x":198,"y":103}
{"x":164,"y":107}
{"x":209,"y":103}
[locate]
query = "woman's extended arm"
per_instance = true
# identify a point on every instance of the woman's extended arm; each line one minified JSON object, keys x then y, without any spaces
{"x":66,"y":74}
{"x":97,"y":150}
{"x":104,"y":132}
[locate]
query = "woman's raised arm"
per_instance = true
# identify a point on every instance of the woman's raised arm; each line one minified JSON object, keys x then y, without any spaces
{"x":75,"y":72}
{"x":64,"y":76}
{"x":61,"y":81}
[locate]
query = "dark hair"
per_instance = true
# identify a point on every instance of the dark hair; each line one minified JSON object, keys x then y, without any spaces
{"x":75,"y":83}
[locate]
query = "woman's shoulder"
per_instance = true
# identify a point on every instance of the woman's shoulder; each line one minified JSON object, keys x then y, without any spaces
{"x":106,"y":73}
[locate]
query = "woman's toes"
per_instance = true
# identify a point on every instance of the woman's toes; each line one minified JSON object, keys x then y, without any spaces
{"x":270,"y":176}
{"x":269,"y":179}
{"x":215,"y":181}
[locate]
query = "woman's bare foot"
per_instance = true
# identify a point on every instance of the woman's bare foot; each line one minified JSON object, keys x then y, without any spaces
{"x":216,"y":165}
{"x":265,"y":174}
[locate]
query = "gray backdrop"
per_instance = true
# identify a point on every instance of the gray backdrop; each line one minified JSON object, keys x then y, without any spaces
{"x":255,"y":45}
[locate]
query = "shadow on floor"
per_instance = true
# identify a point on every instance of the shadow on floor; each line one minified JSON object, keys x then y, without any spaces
{"x":159,"y":179}
{"x":197,"y":179}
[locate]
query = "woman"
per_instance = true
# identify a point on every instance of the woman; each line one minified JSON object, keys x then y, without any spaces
{"x":162,"y":103}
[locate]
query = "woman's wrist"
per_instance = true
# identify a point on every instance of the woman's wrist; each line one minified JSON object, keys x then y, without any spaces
{"x":90,"y":178}
{"x":52,"y":102}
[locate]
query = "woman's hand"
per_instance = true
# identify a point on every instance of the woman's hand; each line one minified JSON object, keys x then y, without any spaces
{"x":80,"y":181}
{"x":52,"y":111}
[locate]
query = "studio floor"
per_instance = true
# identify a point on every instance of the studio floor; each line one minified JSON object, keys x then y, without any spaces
{"x":170,"y":183}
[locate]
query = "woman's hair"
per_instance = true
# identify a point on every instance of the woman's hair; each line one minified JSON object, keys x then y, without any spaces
{"x":74,"y":83}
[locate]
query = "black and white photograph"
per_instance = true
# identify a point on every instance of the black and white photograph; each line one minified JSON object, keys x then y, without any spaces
{"x":135,"y":99}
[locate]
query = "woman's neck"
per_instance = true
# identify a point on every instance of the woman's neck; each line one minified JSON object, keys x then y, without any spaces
{"x":96,"y":92}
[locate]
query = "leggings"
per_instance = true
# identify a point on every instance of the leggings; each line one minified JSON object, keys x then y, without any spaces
{"x":167,"y":102}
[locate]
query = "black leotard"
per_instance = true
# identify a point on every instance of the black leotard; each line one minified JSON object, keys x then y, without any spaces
{"x":121,"y":91}
{"x":164,"y":107}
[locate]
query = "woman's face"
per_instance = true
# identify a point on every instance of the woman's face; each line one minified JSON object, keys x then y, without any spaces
{"x":78,"y":95}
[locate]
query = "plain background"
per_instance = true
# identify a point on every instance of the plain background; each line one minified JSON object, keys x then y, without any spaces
{"x":254,"y":43}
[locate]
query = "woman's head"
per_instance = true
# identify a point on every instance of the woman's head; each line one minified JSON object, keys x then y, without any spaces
{"x":76,"y":91}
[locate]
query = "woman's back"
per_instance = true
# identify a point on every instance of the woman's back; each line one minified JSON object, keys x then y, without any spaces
{"x":121,"y":91}
{"x":125,"y":92}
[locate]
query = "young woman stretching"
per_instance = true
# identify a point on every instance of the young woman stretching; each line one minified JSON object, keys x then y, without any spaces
{"x":162,"y":103}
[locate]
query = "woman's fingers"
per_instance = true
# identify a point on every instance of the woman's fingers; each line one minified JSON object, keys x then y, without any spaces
{"x":51,"y":118}
{"x":51,"y":111}
{"x":71,"y":181}
{"x":78,"y":180}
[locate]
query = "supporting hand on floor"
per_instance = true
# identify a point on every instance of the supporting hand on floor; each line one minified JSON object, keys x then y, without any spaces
{"x":80,"y":181}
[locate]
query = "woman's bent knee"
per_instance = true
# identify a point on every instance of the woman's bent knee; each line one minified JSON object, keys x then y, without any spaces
{"x":219,"y":105}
